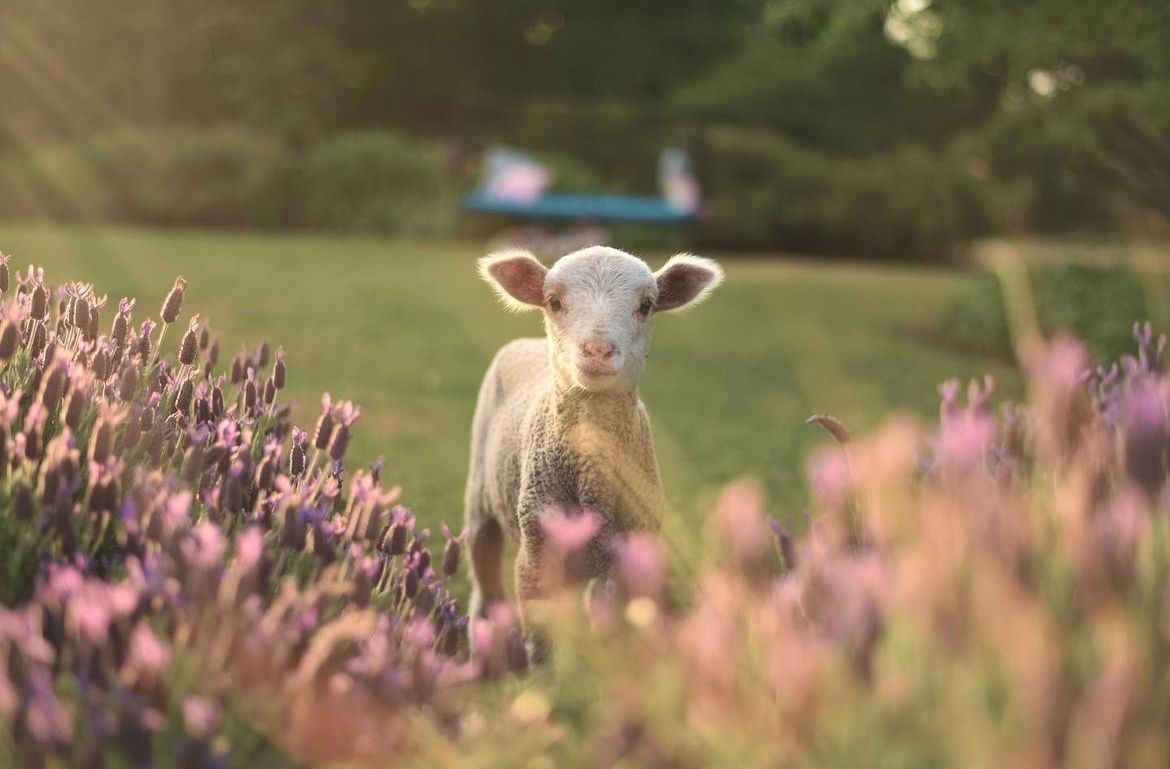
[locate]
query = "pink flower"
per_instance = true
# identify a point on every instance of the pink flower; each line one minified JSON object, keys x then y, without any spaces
{"x":200,"y":715}
{"x":570,"y":532}
{"x":965,"y":439}
{"x":641,"y":563}
{"x":89,"y":614}
{"x":249,"y":547}
{"x":178,"y":508}
{"x":1061,"y":363}
{"x":148,"y":655}
{"x":205,"y":548}
{"x":828,"y":474}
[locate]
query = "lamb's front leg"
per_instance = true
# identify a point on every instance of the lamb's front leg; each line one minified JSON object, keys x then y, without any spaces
{"x":530,"y":568}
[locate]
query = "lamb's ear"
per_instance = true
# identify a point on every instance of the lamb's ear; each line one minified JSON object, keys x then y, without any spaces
{"x":516,"y":276}
{"x":686,"y":280}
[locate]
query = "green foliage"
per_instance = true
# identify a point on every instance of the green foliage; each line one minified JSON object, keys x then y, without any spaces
{"x":213,"y":176}
{"x":1098,"y":303}
{"x":381,"y":182}
{"x":766,"y":192}
{"x":571,"y":174}
{"x":1062,"y":103}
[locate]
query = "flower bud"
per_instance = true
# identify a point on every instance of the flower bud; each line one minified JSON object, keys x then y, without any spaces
{"x":39,"y":306}
{"x":189,"y":347}
{"x":183,"y":398}
{"x":297,"y":461}
{"x":269,"y":391}
{"x":233,"y":496}
{"x":217,"y":407}
{"x":410,"y":584}
{"x":101,"y":443}
{"x":393,"y":540}
{"x":451,"y":557}
{"x":4,"y":275}
{"x":32,"y":443}
{"x":422,"y":557}
{"x":174,"y":301}
{"x":262,"y":355}
{"x":266,"y":473}
{"x":53,"y":387}
{"x":324,"y":430}
{"x":23,"y":501}
{"x":425,"y":601}
{"x":202,"y":411}
{"x":450,"y":644}
{"x":92,"y":329}
{"x":339,"y":443}
{"x":129,"y":383}
{"x":132,"y":432}
{"x":101,"y":365}
{"x":278,"y":370}
{"x":292,"y":531}
{"x":75,"y":408}
{"x":39,"y":337}
{"x":118,"y":333}
{"x":9,"y":340}
{"x":250,"y":396}
{"x":79,"y":312}
{"x":192,"y":468}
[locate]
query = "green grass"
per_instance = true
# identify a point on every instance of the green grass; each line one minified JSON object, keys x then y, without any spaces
{"x":407,"y":329}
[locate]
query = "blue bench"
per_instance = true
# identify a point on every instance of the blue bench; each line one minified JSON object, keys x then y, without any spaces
{"x":516,"y":182}
{"x":573,"y":205}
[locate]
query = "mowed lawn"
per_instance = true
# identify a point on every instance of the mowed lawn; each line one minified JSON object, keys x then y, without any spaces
{"x":406,"y":330}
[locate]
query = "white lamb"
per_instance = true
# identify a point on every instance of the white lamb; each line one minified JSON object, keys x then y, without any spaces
{"x":559,"y":425}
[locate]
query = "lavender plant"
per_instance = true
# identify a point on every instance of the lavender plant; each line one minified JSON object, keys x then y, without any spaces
{"x":193,"y":581}
{"x":172,"y":555}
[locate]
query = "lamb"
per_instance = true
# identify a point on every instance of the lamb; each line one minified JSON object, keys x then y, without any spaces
{"x":559,"y":425}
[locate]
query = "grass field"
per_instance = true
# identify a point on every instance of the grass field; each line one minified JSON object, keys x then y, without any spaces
{"x":407,"y":329}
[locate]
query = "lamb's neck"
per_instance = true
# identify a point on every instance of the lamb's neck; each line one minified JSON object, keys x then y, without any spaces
{"x":615,"y":410}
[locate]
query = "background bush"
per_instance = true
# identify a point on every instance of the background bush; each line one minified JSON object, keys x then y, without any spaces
{"x":224,"y":175}
{"x":1096,"y":302}
{"x":763,"y":190}
{"x":381,"y":182}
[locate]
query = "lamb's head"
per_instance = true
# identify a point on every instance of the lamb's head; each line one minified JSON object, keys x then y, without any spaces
{"x":597,"y":305}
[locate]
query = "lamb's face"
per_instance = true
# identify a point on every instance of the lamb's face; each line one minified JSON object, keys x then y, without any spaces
{"x":597,"y":308}
{"x":597,"y":304}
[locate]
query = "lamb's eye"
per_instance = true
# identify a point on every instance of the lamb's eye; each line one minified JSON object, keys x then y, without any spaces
{"x":645,"y":307}
{"x":554,"y":304}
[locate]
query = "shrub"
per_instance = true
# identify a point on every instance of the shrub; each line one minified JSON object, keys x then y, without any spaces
{"x":1096,"y":302}
{"x":379,"y":181}
{"x":765,"y":192}
{"x":179,"y":557}
{"x":214,"y":176}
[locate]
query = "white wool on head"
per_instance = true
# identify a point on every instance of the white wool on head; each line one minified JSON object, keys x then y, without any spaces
{"x":601,"y":291}
{"x":597,"y":304}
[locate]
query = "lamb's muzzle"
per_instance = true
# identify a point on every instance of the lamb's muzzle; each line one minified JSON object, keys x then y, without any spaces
{"x":558,"y":425}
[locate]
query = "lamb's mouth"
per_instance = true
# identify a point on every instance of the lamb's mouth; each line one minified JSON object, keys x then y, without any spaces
{"x":593,"y":372}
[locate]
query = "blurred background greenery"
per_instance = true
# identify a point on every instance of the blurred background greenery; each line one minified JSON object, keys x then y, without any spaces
{"x":864,"y":127}
{"x":341,"y":135}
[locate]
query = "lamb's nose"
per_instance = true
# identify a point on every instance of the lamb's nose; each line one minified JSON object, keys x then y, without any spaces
{"x":599,"y":349}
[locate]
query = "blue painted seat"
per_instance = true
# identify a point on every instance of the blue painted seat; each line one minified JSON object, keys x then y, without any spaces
{"x":516,"y":186}
{"x":574,"y":205}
